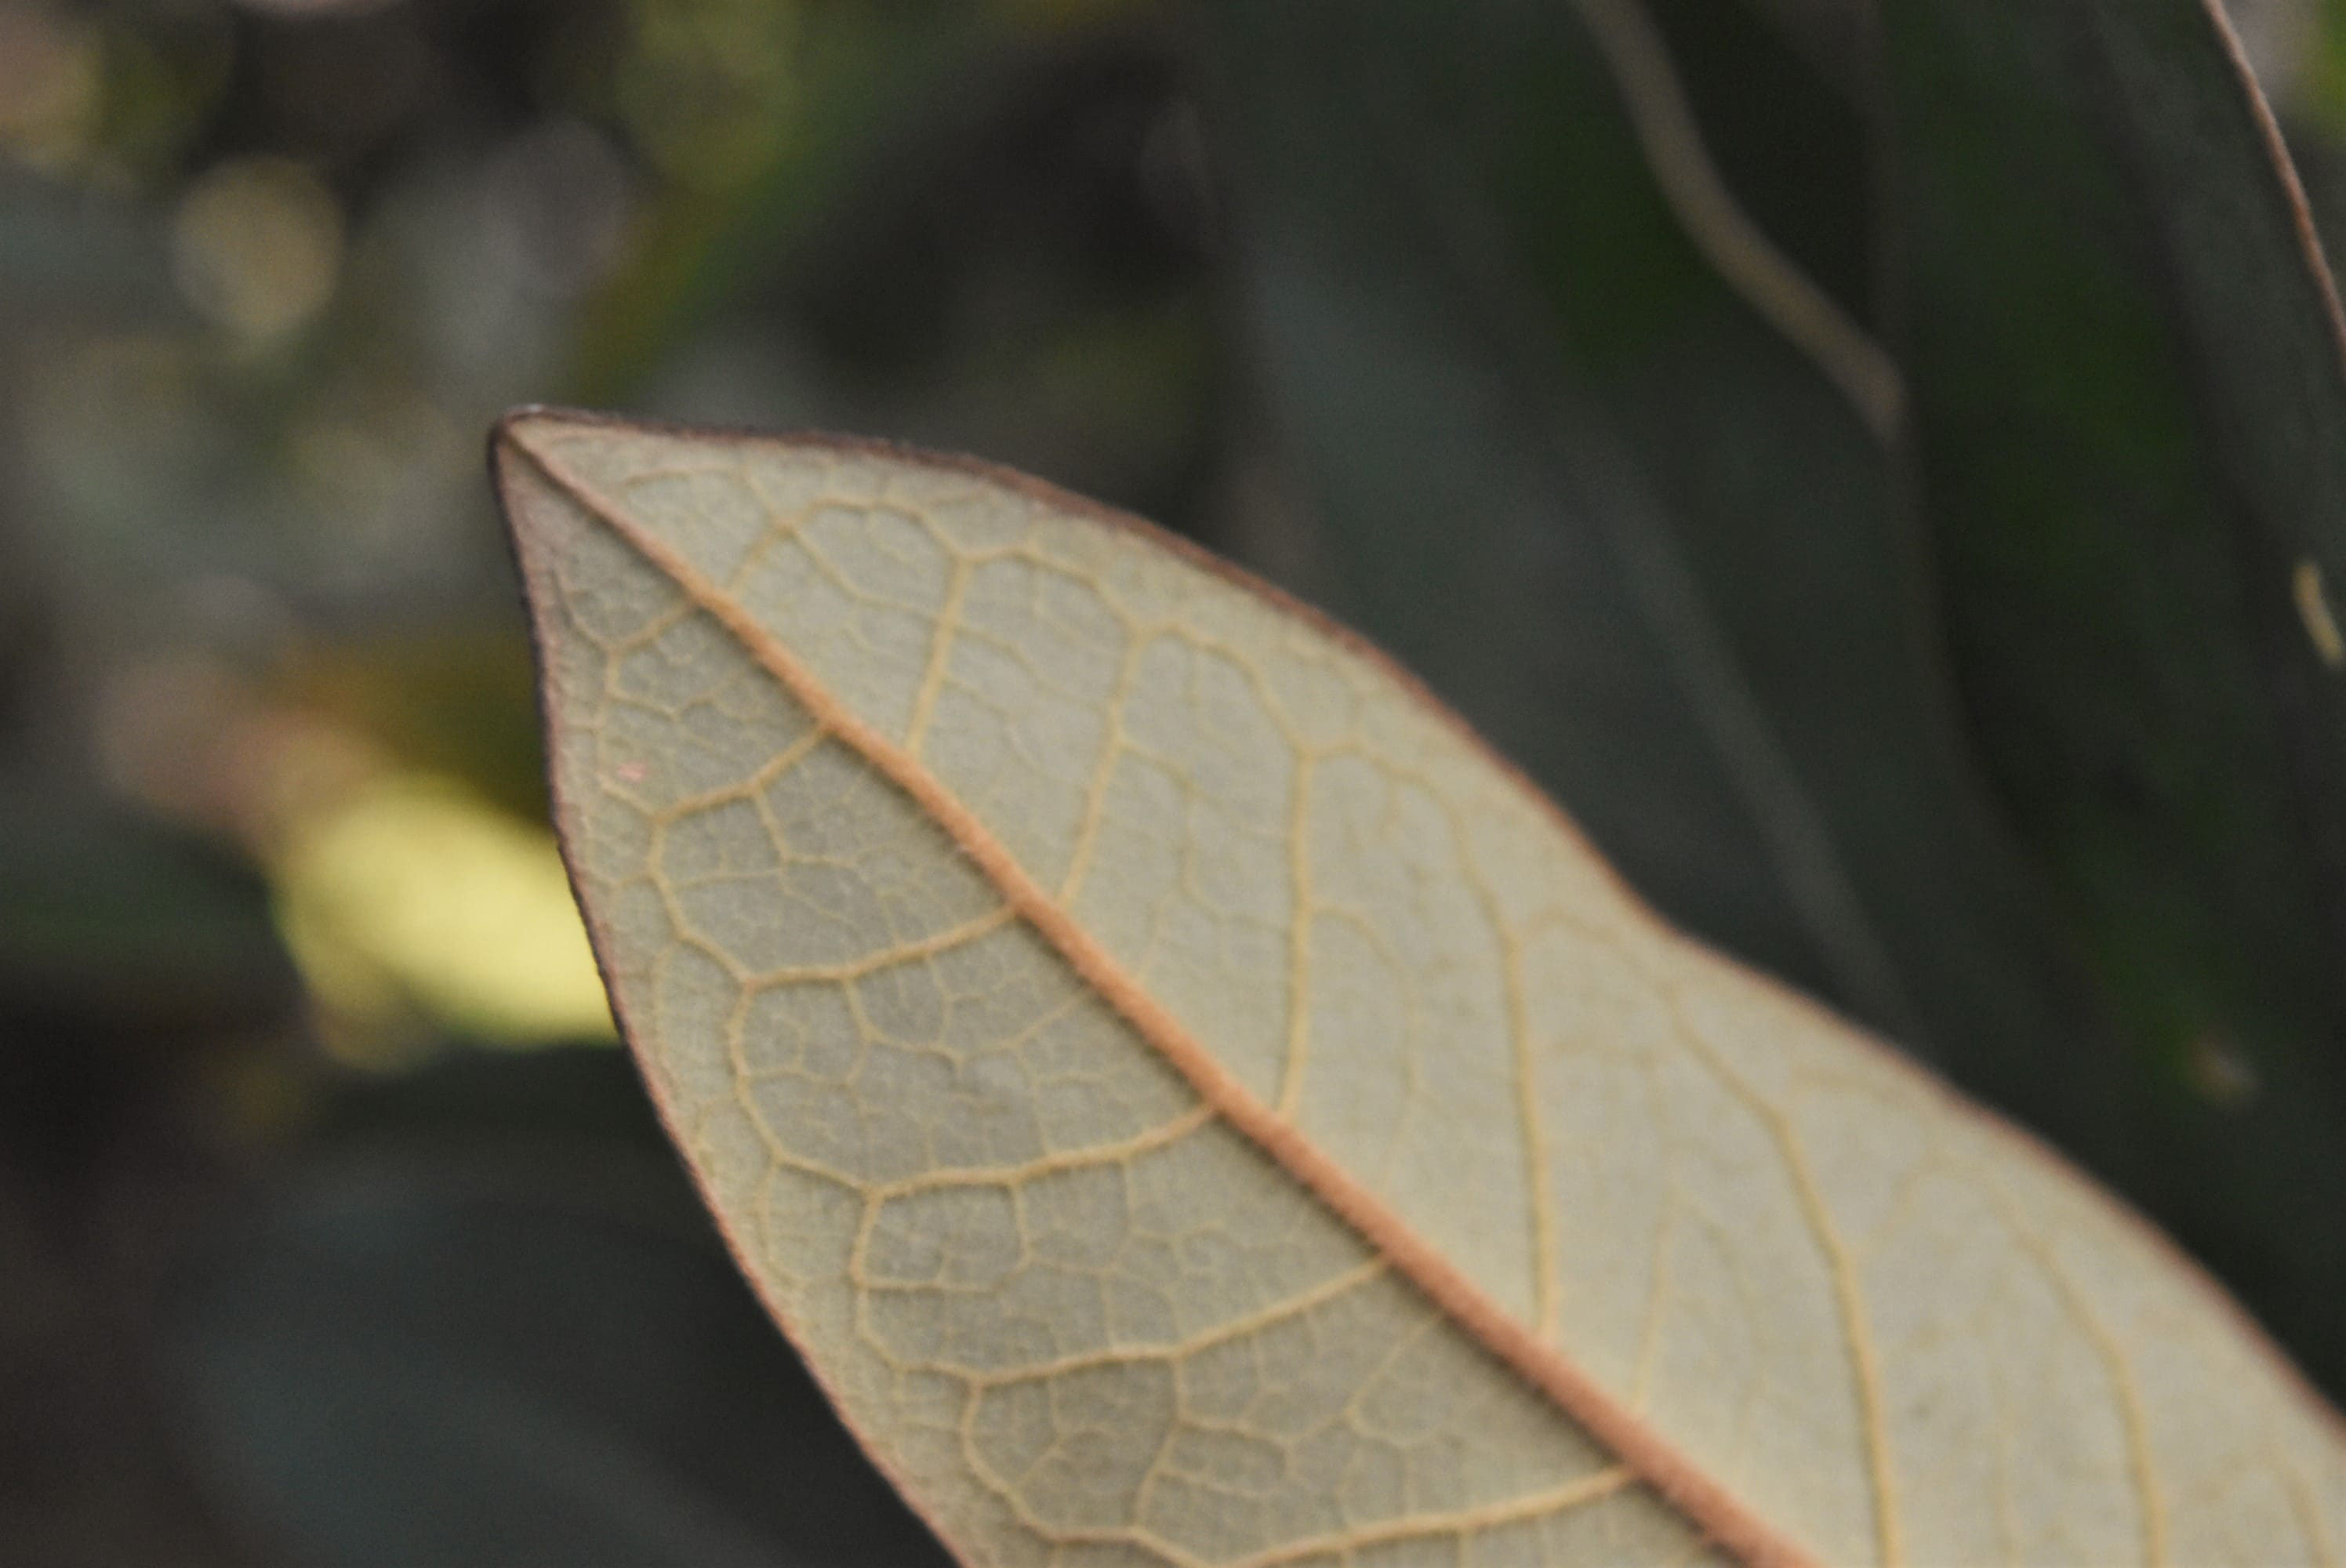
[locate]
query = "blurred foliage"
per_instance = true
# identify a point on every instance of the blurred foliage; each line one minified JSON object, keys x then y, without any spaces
{"x":2132,"y":449}
{"x":424,"y":1350}
{"x":1886,"y":479}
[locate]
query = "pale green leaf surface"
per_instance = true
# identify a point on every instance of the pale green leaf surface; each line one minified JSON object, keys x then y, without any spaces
{"x":1192,"y":1105}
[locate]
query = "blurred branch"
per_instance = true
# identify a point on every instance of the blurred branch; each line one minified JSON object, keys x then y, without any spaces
{"x":1745,"y":258}
{"x":1789,"y":822}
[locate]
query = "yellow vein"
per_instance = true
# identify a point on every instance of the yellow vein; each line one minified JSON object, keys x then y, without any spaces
{"x":1112,"y":747}
{"x":1547,"y":1267}
{"x":748,"y":790}
{"x":1657,"y":1285}
{"x":1571,"y":1494}
{"x":1009,"y":1491}
{"x":933,"y":679}
{"x":1298,"y":936}
{"x":2304,"y":1505}
{"x":1287,"y":1310}
{"x":1849,"y":1294}
{"x":1718,"y":1512}
{"x":2141,"y":1471}
{"x":935,"y":945}
{"x":1058,"y":1164}
{"x":778,"y":1153}
{"x":1745,"y":257}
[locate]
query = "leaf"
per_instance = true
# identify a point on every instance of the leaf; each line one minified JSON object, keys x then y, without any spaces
{"x":110,"y":921}
{"x":506,"y":1352}
{"x":413,"y":895}
{"x":1192,"y":1104}
{"x":2128,"y":381}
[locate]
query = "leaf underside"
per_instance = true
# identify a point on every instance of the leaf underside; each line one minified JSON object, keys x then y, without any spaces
{"x":1191,"y":1104}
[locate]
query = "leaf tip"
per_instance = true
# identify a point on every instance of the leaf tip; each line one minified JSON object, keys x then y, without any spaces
{"x":522,"y":443}
{"x":521,"y":432}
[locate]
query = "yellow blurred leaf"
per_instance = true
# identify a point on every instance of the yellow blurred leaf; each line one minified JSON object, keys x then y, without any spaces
{"x":414,"y":893}
{"x":52,"y":82}
{"x":257,"y":245}
{"x":1192,"y":1104}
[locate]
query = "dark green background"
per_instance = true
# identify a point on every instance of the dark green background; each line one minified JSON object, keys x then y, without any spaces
{"x":2001,"y":730}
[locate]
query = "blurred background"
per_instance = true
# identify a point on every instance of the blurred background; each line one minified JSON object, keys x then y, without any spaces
{"x":1882,"y":473}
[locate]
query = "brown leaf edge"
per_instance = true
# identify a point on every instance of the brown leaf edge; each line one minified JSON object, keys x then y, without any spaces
{"x":2284,"y":169}
{"x":1721,"y":1518}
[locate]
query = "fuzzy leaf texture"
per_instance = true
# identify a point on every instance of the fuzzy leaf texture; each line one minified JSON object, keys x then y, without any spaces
{"x":1191,"y":1104}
